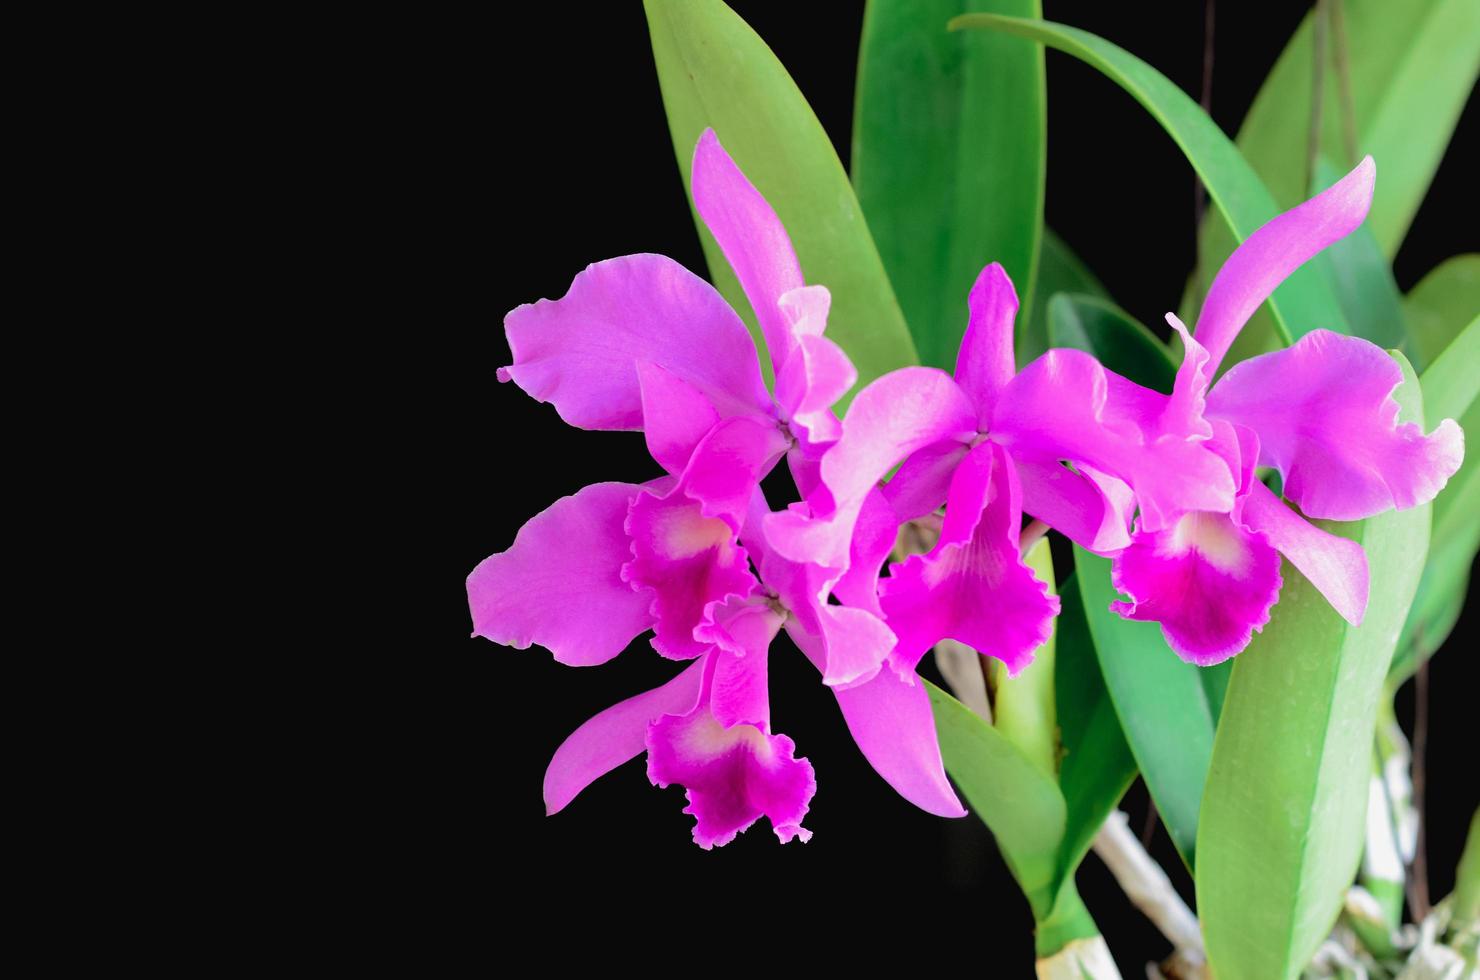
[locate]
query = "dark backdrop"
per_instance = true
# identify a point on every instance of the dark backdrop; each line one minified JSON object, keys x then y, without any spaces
{"x":533,"y":151}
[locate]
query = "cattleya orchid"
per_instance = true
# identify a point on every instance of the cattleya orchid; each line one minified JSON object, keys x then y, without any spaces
{"x":638,"y":342}
{"x":1321,"y":412}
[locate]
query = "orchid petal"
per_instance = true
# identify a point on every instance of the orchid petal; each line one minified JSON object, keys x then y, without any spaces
{"x":1327,"y":419}
{"x":753,"y":239}
{"x":904,"y":411}
{"x":1275,"y":250}
{"x":1087,"y":507}
{"x":580,"y":352}
{"x":1188,"y":401}
{"x":560,"y":584}
{"x":615,"y":736}
{"x":1066,"y":407}
{"x":973,"y":586}
{"x":873,"y":539}
{"x":685,"y":550}
{"x":742,"y":631}
{"x":1336,"y":566}
{"x":677,"y":416}
{"x":816,"y":374}
{"x":891,"y":721}
{"x":1209,"y":582}
{"x":985,"y":363}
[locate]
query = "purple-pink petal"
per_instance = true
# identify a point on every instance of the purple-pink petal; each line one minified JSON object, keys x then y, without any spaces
{"x":1183,"y":414}
{"x":816,"y":374}
{"x":753,"y":239}
{"x":580,"y":352}
{"x":614,"y":736}
{"x":891,"y":722}
{"x":1209,"y":582}
{"x":985,"y":364}
{"x":873,"y":540}
{"x":677,"y":416}
{"x":741,"y":630}
{"x":560,"y":584}
{"x":1326,"y":418}
{"x":1278,"y":248}
{"x":1084,"y":505}
{"x":1336,"y":566}
{"x":973,"y":586}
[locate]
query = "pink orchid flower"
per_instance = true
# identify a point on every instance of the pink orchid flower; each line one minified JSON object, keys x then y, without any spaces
{"x":640,"y":343}
{"x":1322,"y":413}
{"x":991,"y":443}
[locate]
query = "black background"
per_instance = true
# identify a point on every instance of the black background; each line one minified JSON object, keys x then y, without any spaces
{"x":531,"y":151}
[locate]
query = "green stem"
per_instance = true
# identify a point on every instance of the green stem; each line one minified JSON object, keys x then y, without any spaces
{"x":1067,"y":921}
{"x":1467,"y":878}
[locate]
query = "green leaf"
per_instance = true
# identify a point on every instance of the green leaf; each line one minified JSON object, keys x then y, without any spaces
{"x":1453,"y":380}
{"x":1412,"y":67}
{"x":1305,"y":301}
{"x":1097,"y":766}
{"x":1177,"y":771}
{"x":948,"y":158}
{"x":1283,"y":816}
{"x":1450,"y":386}
{"x":1023,"y":707}
{"x":1015,"y":799}
{"x":1440,"y":305}
{"x":1122,"y":343}
{"x":715,"y":72}
{"x":1161,"y":700}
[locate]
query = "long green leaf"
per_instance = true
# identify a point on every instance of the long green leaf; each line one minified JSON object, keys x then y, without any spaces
{"x":1015,"y":799}
{"x":1453,"y":380}
{"x":1097,"y":766}
{"x":1305,"y":301}
{"x":1121,"y":342}
{"x":715,"y":72}
{"x":948,"y":158}
{"x":1441,"y":304}
{"x":1162,"y":702}
{"x":1412,"y":67}
{"x":1283,"y":816}
{"x":1450,"y":387}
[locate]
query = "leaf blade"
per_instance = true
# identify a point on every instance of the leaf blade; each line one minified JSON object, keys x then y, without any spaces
{"x":1155,"y":693}
{"x":933,"y":107}
{"x":1283,"y":816}
{"x":1019,"y":803}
